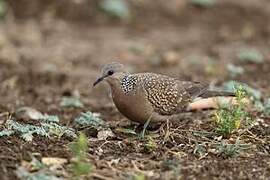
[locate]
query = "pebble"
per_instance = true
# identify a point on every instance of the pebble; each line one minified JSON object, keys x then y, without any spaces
{"x":27,"y":113}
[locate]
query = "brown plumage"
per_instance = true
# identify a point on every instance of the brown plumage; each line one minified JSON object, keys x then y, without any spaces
{"x":144,"y":95}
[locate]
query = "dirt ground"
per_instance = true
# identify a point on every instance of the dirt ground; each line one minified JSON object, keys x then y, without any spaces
{"x":50,"y":49}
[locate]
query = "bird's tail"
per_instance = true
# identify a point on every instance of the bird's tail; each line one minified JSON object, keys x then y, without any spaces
{"x":210,"y":93}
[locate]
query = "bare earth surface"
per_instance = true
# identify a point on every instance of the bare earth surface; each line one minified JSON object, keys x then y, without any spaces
{"x":47,"y":54}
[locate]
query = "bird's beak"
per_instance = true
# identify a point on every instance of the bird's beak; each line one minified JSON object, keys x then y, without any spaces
{"x":98,"y":81}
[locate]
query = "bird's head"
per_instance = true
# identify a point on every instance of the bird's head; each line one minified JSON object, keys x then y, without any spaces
{"x":110,"y":72}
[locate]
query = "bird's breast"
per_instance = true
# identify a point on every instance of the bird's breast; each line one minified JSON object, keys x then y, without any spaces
{"x":133,"y":106}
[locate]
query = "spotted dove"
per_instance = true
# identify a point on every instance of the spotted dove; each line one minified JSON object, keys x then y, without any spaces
{"x":142,"y":96}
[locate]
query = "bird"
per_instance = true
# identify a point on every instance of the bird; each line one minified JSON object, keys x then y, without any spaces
{"x":147,"y":96}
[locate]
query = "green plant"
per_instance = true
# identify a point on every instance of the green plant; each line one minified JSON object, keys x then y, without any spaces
{"x":116,"y":8}
{"x":138,"y":176}
{"x":3,"y":8}
{"x":229,"y":118}
{"x":89,"y":119}
{"x":234,"y":70}
{"x":250,"y":55}
{"x":150,"y":144}
{"x":267,"y":107}
{"x":47,"y":127}
{"x":79,"y":165}
{"x":231,"y":150}
{"x":255,"y":96}
{"x":71,"y":102}
{"x":6,"y":132}
{"x":200,"y":150}
{"x":126,"y":131}
{"x":202,"y":3}
{"x":36,"y":171}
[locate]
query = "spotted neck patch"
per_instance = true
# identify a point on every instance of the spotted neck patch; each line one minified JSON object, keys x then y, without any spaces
{"x":129,"y":83}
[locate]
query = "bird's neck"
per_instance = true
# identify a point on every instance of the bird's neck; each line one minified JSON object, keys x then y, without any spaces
{"x":129,"y":84}
{"x":123,"y":83}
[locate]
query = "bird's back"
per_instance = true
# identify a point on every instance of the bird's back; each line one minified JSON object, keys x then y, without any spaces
{"x":168,"y":95}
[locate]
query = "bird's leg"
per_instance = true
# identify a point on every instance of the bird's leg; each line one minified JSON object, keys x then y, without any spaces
{"x":145,"y":126}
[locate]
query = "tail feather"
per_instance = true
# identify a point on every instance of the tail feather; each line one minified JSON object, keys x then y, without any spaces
{"x":210,"y":93}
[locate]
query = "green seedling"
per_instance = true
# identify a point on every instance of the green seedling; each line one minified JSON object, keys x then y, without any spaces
{"x":37,"y":171}
{"x":89,"y":119}
{"x":250,"y":55}
{"x":45,"y":129}
{"x":235,"y":70}
{"x":71,"y":102}
{"x":202,"y":3}
{"x":116,"y":8}
{"x":203,"y":134}
{"x":6,"y":132}
{"x":137,"y":176}
{"x":3,"y":8}
{"x":49,"y":118}
{"x":267,"y":107}
{"x":254,"y":94}
{"x":80,"y":166}
{"x":126,"y":131}
{"x":231,"y":150}
{"x":229,"y":118}
{"x":22,"y":173}
{"x":200,"y":150}
{"x":150,"y":145}
{"x":36,"y":164}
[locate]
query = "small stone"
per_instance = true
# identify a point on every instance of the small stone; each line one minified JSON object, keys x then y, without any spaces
{"x":104,"y":134}
{"x":50,"y":161}
{"x":28,"y":113}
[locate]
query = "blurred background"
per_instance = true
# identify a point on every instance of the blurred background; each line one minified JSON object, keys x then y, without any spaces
{"x":54,"y":48}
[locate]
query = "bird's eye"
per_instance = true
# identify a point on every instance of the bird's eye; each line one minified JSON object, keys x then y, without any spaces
{"x":110,"y":72}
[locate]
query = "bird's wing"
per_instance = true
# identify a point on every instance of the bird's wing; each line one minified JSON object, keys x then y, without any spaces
{"x":193,"y":89}
{"x":167,"y":95}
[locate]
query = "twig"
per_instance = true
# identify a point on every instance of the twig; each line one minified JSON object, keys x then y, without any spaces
{"x":101,"y":176}
{"x":4,"y":114}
